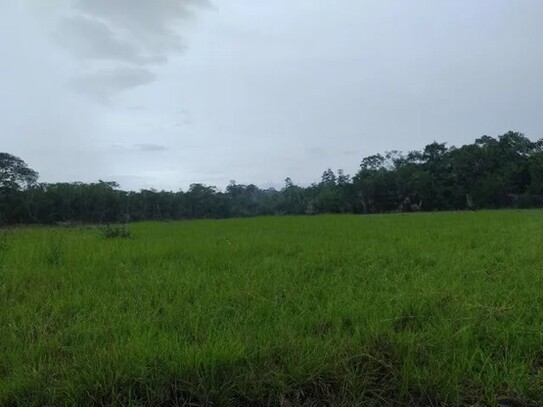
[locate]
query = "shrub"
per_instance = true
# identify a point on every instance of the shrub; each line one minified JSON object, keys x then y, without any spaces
{"x":113,"y":232}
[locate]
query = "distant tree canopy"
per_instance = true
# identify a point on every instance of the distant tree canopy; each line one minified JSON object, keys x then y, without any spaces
{"x":14,"y":173}
{"x":501,"y":172}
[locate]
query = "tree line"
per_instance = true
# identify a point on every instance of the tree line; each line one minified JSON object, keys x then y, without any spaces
{"x":501,"y":172}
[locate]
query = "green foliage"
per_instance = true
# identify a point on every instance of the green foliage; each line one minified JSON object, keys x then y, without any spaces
{"x":491,"y":173}
{"x":116,"y":232}
{"x":503,"y":172}
{"x":420,"y":309}
{"x":14,"y":173}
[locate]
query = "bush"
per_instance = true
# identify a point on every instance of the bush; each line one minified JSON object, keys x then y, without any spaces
{"x":113,"y":232}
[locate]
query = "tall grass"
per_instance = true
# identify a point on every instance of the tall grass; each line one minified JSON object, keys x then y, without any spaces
{"x":338,"y":310}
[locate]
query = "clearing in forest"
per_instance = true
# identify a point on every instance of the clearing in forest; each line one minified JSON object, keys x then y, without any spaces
{"x":437,"y":308}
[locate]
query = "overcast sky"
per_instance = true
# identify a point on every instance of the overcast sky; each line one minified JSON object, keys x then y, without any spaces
{"x":165,"y":93}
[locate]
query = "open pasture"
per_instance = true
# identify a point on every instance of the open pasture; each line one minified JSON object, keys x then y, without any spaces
{"x":441,"y":308}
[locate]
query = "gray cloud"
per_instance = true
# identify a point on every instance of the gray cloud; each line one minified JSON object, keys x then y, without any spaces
{"x":132,"y":33}
{"x":92,"y":39}
{"x":150,"y":147}
{"x":103,"y":84}
{"x":155,"y":18}
{"x":144,"y":147}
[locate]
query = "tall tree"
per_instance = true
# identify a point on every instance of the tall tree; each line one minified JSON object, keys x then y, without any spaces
{"x":15,"y":177}
{"x":15,"y":173}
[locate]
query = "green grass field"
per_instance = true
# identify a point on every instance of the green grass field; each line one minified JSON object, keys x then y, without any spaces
{"x":331,"y":310}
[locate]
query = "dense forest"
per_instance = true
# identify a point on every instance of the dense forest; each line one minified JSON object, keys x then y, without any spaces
{"x":501,"y":172}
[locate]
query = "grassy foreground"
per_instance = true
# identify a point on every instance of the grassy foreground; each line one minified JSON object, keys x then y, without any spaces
{"x":331,"y":310}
